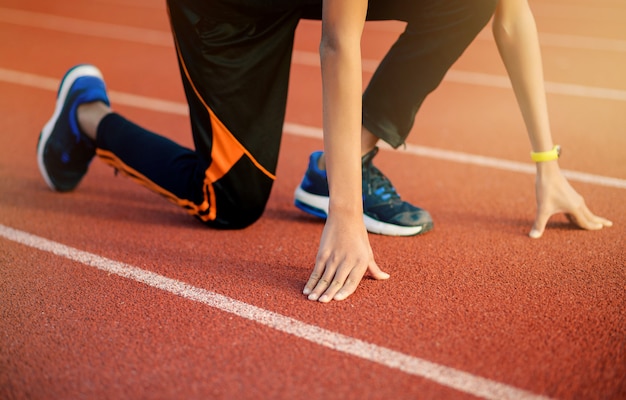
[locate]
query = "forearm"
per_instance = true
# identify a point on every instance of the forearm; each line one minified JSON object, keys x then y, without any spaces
{"x":341,"y":133}
{"x":342,"y":107}
{"x":516,"y":36}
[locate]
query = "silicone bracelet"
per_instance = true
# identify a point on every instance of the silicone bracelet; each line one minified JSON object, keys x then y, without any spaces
{"x":542,"y":156}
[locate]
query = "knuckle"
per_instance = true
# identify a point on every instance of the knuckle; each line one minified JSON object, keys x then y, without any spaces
{"x":315,"y":276}
{"x":324,"y":281}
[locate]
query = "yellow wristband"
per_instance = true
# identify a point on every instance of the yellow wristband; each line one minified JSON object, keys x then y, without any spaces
{"x":543,"y":156}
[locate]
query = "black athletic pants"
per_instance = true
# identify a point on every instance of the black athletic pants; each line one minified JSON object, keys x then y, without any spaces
{"x":234,"y":58}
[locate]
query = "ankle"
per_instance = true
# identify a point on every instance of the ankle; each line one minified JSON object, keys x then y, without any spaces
{"x":89,"y":116}
{"x":321,"y":162}
{"x":368,"y":141}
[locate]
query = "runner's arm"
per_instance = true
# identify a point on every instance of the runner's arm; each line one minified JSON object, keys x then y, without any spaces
{"x":344,"y":254}
{"x":516,"y":36}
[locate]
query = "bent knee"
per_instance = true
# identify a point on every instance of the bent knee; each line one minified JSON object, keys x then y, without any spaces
{"x":239,"y":218}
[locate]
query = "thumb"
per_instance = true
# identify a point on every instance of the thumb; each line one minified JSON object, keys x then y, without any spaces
{"x":540,"y":224}
{"x":377,"y":273}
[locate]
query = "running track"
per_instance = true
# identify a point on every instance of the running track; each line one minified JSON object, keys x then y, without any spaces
{"x":111,"y":292}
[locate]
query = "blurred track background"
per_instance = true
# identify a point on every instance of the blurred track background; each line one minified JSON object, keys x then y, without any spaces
{"x":111,"y":292}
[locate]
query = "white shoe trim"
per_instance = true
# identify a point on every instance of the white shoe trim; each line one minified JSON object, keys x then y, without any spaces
{"x":312,"y":200}
{"x":372,"y":225}
{"x":68,"y":81}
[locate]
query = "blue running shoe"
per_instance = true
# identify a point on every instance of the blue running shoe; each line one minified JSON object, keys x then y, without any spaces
{"x":312,"y":194}
{"x":63,"y":151}
{"x":384,"y":211}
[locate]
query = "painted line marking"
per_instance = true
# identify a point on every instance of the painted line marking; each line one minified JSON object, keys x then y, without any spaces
{"x":86,"y":28}
{"x":163,"y":38}
{"x":566,"y":41}
{"x":445,"y":376}
{"x":473,"y":159}
{"x":179,"y":108}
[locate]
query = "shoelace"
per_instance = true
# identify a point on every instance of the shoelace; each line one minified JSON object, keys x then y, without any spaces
{"x":378,"y":184}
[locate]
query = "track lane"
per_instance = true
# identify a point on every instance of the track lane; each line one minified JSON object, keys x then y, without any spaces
{"x":449,"y":302}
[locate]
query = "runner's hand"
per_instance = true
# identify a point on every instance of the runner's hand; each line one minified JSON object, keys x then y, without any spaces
{"x":343,"y":258}
{"x":555,"y":195}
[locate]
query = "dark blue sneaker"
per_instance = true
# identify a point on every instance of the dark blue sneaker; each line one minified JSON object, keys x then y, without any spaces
{"x":63,"y":151}
{"x":384,"y":211}
{"x":312,"y":194}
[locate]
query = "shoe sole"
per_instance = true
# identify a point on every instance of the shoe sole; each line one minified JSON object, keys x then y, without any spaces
{"x":66,"y":84}
{"x":318,"y":206}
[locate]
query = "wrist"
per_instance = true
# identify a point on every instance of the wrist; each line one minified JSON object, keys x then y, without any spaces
{"x":548,"y":172}
{"x":348,"y":210}
{"x":546,"y":156}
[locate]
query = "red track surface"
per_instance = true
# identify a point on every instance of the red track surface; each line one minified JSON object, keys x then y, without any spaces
{"x":523,"y":316}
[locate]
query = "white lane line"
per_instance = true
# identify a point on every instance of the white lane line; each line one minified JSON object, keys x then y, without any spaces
{"x":582,"y":14}
{"x":445,"y":376}
{"x":565,"y":41}
{"x":494,"y":81}
{"x":473,"y":159}
{"x":178,"y":108}
{"x":162,"y":38}
{"x":85,"y":27}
